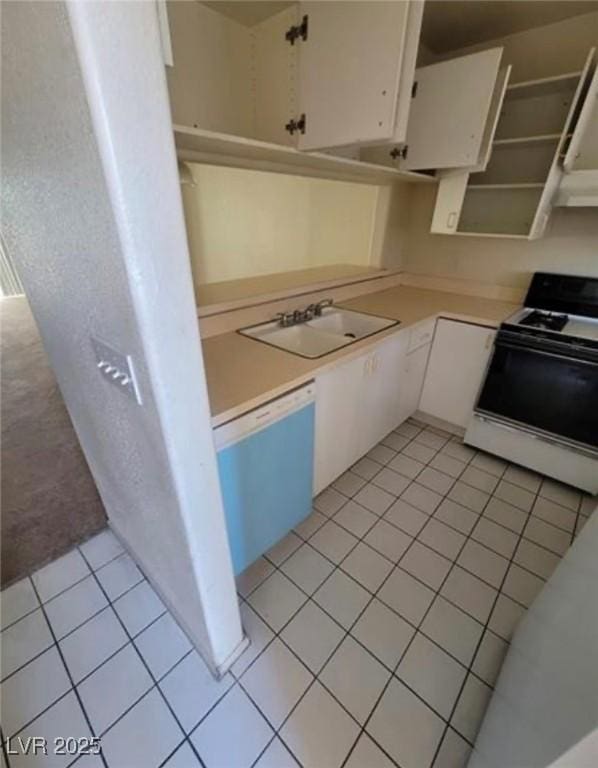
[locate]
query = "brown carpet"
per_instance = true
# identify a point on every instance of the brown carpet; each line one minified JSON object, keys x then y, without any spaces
{"x":49,"y":499}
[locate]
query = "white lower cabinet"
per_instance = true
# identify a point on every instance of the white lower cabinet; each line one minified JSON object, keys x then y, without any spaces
{"x":357,"y":404}
{"x":458,"y":360}
{"x":338,"y":401}
{"x":414,"y":371}
{"x":381,"y":391}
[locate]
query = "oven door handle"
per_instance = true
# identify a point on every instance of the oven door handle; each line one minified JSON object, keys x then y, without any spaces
{"x":547,"y":353}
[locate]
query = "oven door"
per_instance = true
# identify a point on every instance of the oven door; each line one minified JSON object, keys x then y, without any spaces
{"x":543,"y":385}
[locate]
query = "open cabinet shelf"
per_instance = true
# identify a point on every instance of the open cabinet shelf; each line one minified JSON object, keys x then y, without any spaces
{"x":201,"y":146}
{"x":505,"y":186}
{"x":540,"y":139}
{"x":537,"y":108}
{"x":500,"y":210}
{"x":514,"y":194}
{"x":545,"y":84}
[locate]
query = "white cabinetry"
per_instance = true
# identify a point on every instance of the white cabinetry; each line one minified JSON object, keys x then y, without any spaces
{"x":453,"y":115}
{"x":361,"y":401}
{"x":457,"y":363}
{"x":450,"y":109}
{"x":252,"y":81}
{"x":579,"y":185}
{"x":357,"y":404}
{"x":414,"y":370}
{"x":353,"y":63}
{"x":382,"y":388}
{"x":338,"y":404}
{"x":514,"y":194}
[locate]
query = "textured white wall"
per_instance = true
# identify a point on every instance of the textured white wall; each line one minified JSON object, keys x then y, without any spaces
{"x":93,"y":219}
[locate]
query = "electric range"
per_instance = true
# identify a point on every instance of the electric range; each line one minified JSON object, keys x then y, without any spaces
{"x":538,"y":404}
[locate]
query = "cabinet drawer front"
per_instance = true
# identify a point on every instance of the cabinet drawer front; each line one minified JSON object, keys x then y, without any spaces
{"x":420,"y":335}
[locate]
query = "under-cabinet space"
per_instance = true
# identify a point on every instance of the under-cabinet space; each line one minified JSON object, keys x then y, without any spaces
{"x":538,"y":107}
{"x":501,"y":211}
{"x":253,"y":233}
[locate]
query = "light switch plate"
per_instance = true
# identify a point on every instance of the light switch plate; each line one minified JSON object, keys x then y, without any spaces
{"x":117,"y":368}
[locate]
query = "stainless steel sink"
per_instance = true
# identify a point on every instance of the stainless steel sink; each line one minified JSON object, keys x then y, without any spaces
{"x":333,"y":329}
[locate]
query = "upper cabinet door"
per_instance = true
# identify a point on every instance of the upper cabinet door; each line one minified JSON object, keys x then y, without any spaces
{"x":582,"y":154}
{"x":350,"y":71}
{"x":450,"y":110}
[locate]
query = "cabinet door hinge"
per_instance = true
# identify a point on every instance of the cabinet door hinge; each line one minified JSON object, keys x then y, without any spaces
{"x":414,"y":89}
{"x":296,"y":125}
{"x":296,"y":31}
{"x":399,"y":153}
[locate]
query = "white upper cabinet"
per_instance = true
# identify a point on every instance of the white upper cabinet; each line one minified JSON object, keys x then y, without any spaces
{"x":356,"y":62}
{"x":512,"y":194}
{"x":450,"y":109}
{"x":582,"y":153}
{"x":259,"y":84}
{"x":579,"y":185}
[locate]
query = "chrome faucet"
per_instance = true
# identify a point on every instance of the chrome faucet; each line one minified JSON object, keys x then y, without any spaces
{"x":286,"y":319}
{"x":322,"y":304}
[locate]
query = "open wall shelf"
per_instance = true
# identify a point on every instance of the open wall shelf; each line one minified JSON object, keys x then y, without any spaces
{"x":537,"y":107}
{"x":500,"y":210}
{"x":514,"y":194}
{"x":201,"y":146}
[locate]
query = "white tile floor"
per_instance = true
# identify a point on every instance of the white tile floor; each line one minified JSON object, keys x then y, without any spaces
{"x":378,"y":627}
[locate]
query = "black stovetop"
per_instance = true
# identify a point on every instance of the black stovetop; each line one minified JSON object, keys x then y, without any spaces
{"x":546,"y":320}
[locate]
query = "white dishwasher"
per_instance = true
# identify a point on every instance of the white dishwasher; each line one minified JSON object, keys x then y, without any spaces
{"x":265,"y":461}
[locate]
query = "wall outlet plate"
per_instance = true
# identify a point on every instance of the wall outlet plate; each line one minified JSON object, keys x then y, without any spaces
{"x":117,"y":368}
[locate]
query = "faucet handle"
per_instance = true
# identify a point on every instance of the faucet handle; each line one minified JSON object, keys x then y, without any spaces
{"x":322,"y":304}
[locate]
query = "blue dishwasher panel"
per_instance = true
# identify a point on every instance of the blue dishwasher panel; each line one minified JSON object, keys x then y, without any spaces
{"x":267,"y":480}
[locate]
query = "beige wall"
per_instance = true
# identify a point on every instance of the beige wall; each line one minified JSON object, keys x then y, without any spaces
{"x":569,"y":245}
{"x":571,"y":240}
{"x":243,"y":223}
{"x":544,"y":51}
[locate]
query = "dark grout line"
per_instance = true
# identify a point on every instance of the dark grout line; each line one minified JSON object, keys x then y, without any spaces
{"x":278,"y":634}
{"x":72,"y":682}
{"x":346,"y":632}
{"x":155,"y":685}
{"x":394,"y":675}
{"x":486,"y":628}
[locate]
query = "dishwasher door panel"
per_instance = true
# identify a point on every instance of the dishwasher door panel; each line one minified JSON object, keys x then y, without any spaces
{"x":266,"y":480}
